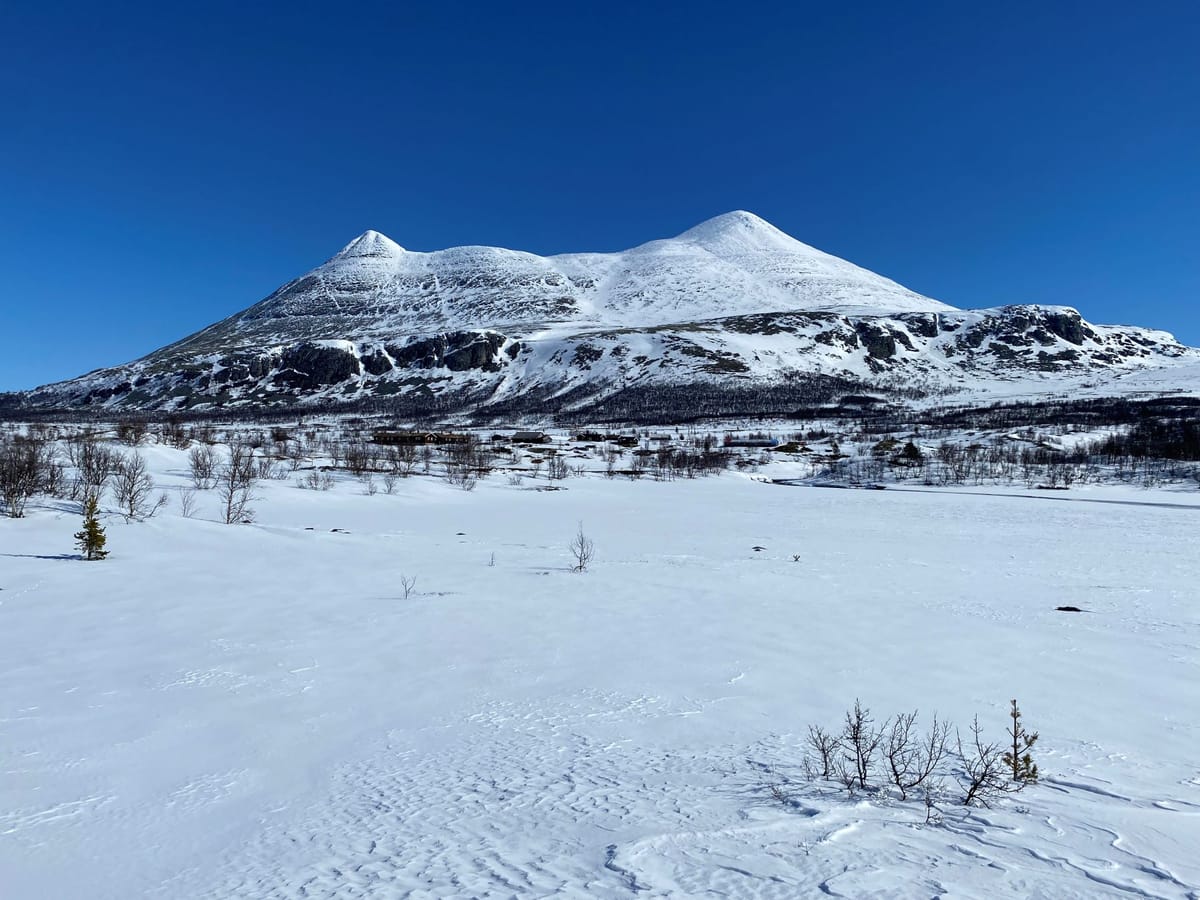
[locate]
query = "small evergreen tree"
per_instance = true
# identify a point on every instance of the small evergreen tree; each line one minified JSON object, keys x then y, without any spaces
{"x":1024,"y":769}
{"x":91,"y":539}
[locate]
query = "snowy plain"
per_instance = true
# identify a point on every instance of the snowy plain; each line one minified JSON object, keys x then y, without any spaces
{"x":259,"y":711}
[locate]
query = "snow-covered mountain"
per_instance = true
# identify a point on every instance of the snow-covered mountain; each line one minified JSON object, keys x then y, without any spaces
{"x":733,"y":299}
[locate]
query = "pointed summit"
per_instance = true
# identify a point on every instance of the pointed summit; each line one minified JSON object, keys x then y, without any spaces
{"x":738,"y":230}
{"x":370,"y":244}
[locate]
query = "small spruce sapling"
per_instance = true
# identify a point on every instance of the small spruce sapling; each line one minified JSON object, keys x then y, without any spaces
{"x":92,"y":538}
{"x":1019,"y":760}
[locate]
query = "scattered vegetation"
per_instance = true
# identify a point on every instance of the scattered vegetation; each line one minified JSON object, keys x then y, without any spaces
{"x":896,"y":758}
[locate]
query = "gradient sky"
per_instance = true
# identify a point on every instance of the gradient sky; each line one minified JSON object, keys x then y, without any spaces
{"x":165,"y":165}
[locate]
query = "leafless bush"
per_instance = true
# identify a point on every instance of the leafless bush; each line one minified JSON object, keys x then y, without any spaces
{"x":95,"y":463}
{"x":370,"y":488}
{"x":132,"y":432}
{"x":401,"y":460}
{"x":295,"y":454}
{"x":235,"y":483}
{"x":917,"y":763}
{"x":407,"y":584}
{"x":557,"y":469}
{"x":911,"y":759}
{"x":21,"y":474}
{"x":54,"y":478}
{"x":202,"y":460}
{"x":174,"y":434}
{"x":269,"y":470}
{"x":389,"y":482}
{"x":360,"y":457}
{"x":460,"y":474}
{"x":933,"y":791}
{"x":984,"y":776}
{"x":860,"y":741}
{"x":583,"y":549}
{"x":315,"y":480}
{"x":846,"y":774}
{"x":133,"y":488}
{"x":826,"y":746}
{"x":187,"y":502}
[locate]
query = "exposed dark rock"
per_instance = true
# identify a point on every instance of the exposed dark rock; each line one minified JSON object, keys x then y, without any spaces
{"x":1068,"y":326}
{"x":376,"y":362}
{"x":585,"y":355}
{"x":457,"y":351}
{"x":309,"y":366}
{"x":480,"y":353}
{"x":922,"y":324}
{"x":1052,"y":362}
{"x":880,"y":342}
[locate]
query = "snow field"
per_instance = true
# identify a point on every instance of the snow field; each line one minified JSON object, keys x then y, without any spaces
{"x":256,"y":710}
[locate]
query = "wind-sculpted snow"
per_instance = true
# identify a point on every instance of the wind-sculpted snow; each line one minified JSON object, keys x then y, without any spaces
{"x":262,"y":711}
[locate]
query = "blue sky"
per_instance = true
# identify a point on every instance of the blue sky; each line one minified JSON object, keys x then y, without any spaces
{"x":163,"y":166}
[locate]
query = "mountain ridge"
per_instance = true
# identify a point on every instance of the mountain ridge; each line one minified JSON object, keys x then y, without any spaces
{"x":730,"y":300}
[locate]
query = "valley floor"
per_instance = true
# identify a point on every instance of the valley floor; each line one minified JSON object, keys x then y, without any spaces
{"x":259,"y":711}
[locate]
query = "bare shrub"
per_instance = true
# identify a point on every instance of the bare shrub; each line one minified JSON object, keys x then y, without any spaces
{"x":407,"y":584}
{"x":557,"y":468}
{"x":984,"y":775}
{"x":187,"y":502}
{"x":910,"y":758}
{"x":235,"y":483}
{"x":315,"y":480}
{"x":860,"y":741}
{"x":916,"y":762}
{"x":22,"y":465}
{"x":54,"y":479}
{"x":461,"y":474}
{"x":133,"y":488}
{"x":401,"y":460}
{"x":825,"y":745}
{"x":202,"y":461}
{"x":132,"y":432}
{"x":583,"y":549}
{"x":268,"y":470}
{"x":96,"y":464}
{"x":360,"y":457}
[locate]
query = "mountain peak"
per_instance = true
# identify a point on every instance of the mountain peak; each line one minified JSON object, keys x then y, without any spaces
{"x":740,"y":228}
{"x":370,"y":244}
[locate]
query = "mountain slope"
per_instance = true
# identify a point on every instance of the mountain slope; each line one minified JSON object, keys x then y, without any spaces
{"x":733,"y":300}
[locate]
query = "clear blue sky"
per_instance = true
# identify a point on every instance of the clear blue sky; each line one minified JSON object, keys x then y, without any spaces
{"x":165,"y":165}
